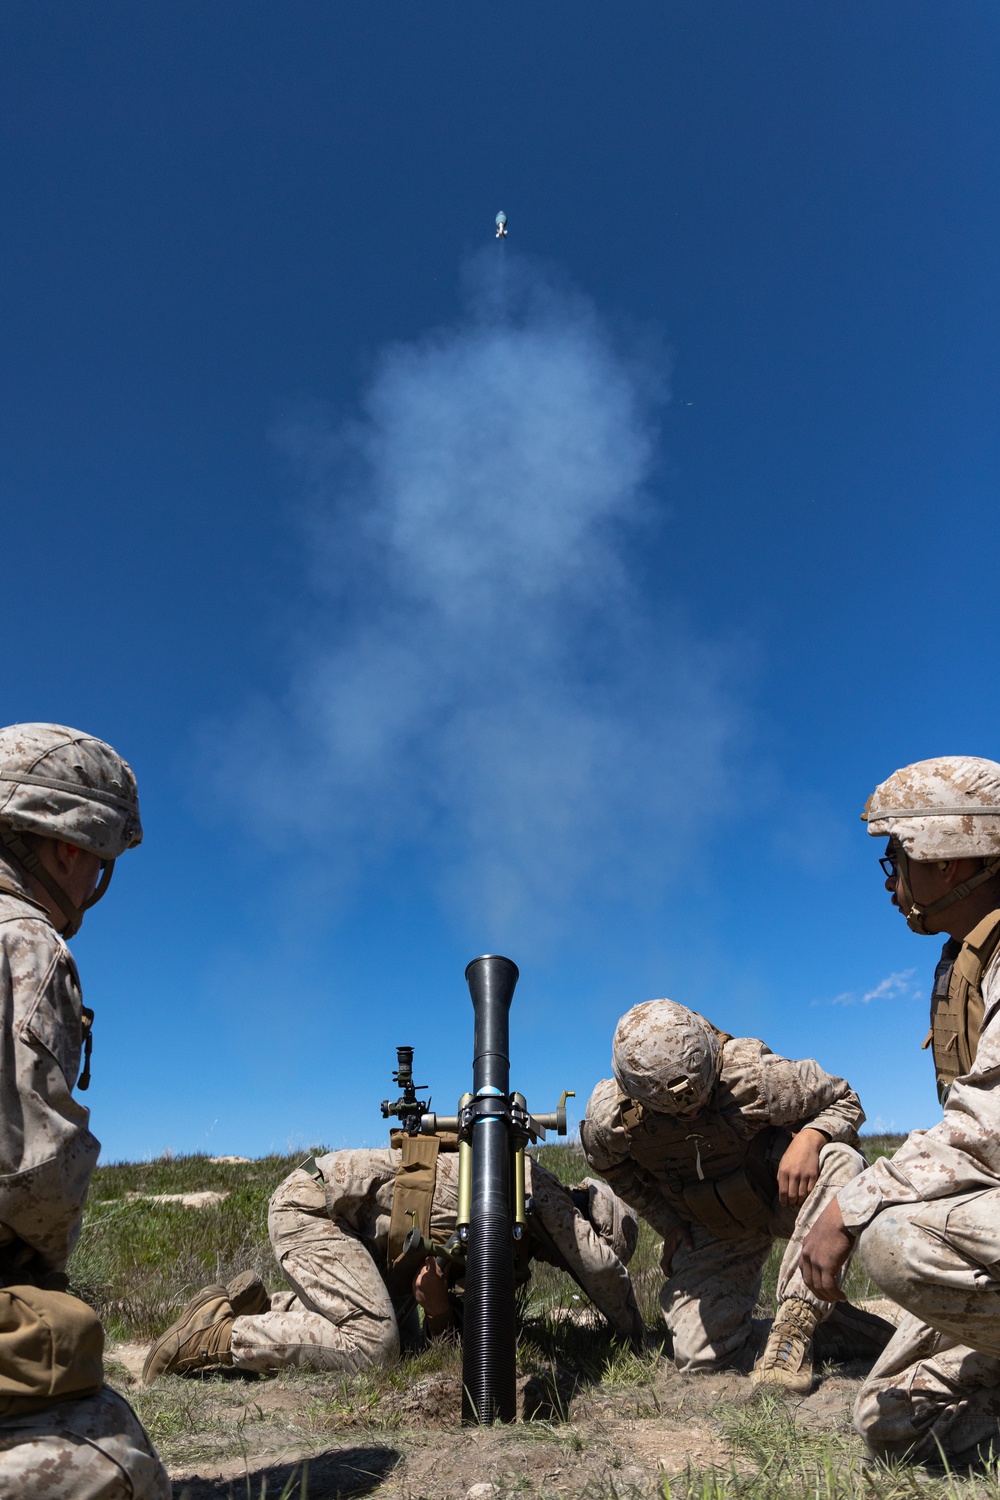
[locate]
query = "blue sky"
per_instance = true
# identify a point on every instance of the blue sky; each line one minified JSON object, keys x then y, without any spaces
{"x":563,"y":598}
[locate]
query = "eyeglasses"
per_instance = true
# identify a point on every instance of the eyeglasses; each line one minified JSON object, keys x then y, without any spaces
{"x":890,"y":866}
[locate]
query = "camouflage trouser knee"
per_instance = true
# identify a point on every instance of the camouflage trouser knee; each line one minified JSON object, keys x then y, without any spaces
{"x":926,"y":1395}
{"x":838,"y":1164}
{"x":709,"y":1296}
{"x":91,"y":1449}
{"x":937,"y":1384}
{"x":340,"y":1316}
{"x":708,"y":1300}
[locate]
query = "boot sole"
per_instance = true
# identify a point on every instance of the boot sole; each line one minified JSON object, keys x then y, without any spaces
{"x":247,"y":1295}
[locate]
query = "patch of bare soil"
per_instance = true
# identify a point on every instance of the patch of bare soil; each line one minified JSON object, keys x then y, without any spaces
{"x":884,"y":1307}
{"x":132,"y":1356}
{"x":612,"y":1443}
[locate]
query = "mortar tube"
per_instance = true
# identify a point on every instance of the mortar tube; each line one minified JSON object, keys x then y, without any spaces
{"x":488,"y":1340}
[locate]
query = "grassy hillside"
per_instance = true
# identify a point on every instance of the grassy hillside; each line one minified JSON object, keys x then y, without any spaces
{"x":616,"y":1419}
{"x":138,"y":1262}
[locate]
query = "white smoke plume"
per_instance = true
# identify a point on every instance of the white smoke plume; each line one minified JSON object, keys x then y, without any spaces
{"x":486,"y":686}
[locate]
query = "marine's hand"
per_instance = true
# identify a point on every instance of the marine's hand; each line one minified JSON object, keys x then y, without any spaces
{"x":799,"y":1168}
{"x":825,"y":1253}
{"x":671,"y":1242}
{"x":430,"y":1289}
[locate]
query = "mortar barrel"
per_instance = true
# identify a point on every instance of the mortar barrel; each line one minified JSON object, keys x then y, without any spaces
{"x":489,"y":1334}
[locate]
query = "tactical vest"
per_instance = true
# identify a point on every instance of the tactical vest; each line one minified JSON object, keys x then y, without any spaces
{"x":957,"y":1001}
{"x":720,"y":1169}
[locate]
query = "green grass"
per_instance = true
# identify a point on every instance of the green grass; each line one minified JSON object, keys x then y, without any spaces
{"x":138,"y":1262}
{"x":777,"y":1458}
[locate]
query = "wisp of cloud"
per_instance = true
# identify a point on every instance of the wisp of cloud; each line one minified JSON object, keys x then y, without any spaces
{"x":487,"y":686}
{"x":894,"y":986}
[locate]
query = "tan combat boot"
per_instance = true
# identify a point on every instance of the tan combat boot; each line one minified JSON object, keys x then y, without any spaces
{"x":202,"y":1335}
{"x":787,"y":1358}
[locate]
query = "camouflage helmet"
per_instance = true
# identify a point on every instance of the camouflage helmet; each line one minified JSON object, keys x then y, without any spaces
{"x":666,"y":1057}
{"x":610,"y":1217}
{"x":60,"y":784}
{"x":945,"y":808}
{"x":63,"y":784}
{"x":941,"y":809}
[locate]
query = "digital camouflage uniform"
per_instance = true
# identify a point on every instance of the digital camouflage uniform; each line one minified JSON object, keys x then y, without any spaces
{"x":929,"y":1217}
{"x":52,"y":782}
{"x":330,"y":1235}
{"x":667,"y":1166}
{"x":47,"y":1153}
{"x":91,"y":1449}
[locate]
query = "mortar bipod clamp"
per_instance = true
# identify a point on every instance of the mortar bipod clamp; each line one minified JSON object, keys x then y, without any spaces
{"x":555,"y":1119}
{"x":514,"y":1111}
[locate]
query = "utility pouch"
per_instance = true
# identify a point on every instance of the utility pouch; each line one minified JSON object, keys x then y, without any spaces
{"x":51,"y":1349}
{"x":729,"y":1207}
{"x":412,"y":1192}
{"x":744,"y":1200}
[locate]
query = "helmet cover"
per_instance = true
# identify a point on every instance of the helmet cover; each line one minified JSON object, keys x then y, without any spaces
{"x":64,"y":784}
{"x":945,"y":808}
{"x":665,"y":1057}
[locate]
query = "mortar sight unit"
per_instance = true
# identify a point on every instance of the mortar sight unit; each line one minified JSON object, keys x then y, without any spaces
{"x":407,"y":1109}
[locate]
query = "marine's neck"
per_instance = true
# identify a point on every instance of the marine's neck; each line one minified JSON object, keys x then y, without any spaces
{"x":17,"y":880}
{"x":969,"y":913}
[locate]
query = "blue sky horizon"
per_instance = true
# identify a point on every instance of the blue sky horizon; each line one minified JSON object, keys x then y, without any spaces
{"x":564,"y":596}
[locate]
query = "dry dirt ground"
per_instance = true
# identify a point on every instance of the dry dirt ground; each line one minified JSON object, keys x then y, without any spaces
{"x":223,"y":1435}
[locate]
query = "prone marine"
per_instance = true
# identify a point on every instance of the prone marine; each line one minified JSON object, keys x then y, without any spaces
{"x":338,"y":1227}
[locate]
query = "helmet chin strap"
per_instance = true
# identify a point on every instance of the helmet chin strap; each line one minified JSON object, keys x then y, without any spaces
{"x":29,"y":861}
{"x":915,"y":914}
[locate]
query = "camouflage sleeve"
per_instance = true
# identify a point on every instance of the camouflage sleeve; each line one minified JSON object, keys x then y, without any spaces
{"x":606,"y":1148}
{"x":353,"y":1182}
{"x":589,"y":1257}
{"x":800,"y":1093}
{"x":47,"y":1153}
{"x":961,"y":1154}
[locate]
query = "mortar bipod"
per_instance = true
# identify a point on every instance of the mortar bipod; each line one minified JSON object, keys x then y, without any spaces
{"x":524,"y":1128}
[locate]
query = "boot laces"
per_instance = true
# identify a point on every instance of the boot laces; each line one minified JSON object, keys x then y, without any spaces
{"x":794,"y":1330}
{"x":789,"y":1354}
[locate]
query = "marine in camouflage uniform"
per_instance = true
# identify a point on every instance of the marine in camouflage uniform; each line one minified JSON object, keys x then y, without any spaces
{"x":723,"y":1146}
{"x":329,"y":1224}
{"x":68,"y":809}
{"x":927,"y":1220}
